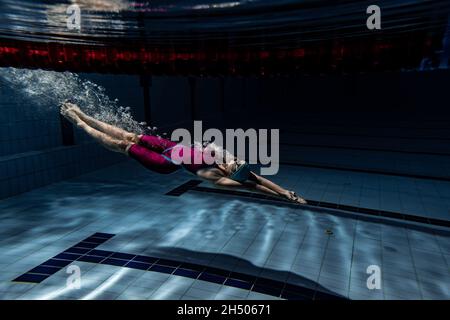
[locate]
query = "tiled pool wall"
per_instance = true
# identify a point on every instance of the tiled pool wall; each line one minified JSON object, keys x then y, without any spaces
{"x":32,"y":152}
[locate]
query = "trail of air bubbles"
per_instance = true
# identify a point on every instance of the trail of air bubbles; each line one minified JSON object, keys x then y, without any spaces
{"x":48,"y":89}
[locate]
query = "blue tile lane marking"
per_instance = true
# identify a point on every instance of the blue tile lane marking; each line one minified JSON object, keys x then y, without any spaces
{"x":162,"y":269}
{"x":183,"y":269}
{"x":145,"y":259}
{"x":138,"y":265}
{"x":31,"y":278}
{"x":187,"y":273}
{"x":56,"y":263}
{"x":123,"y":256}
{"x":61,"y":260}
{"x":67,"y":256}
{"x":94,"y":259}
{"x":44,"y":270}
{"x":100,"y":253}
{"x":114,"y":262}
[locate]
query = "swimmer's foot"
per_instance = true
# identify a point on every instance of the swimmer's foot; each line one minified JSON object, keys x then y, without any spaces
{"x":68,"y":106}
{"x":69,"y":114}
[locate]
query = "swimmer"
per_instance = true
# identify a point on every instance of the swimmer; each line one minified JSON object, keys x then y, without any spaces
{"x":156,"y":154}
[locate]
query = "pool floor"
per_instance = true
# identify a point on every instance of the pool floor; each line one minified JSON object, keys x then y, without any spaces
{"x":150,"y":245}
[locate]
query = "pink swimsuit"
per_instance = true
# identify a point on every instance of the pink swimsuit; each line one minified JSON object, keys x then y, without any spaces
{"x":155,"y":153}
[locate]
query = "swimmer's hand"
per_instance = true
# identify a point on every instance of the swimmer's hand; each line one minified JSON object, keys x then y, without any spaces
{"x":292,"y":196}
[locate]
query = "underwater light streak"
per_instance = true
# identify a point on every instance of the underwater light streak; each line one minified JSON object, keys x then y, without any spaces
{"x":185,"y":229}
{"x":170,"y":286}
{"x":216,"y":5}
{"x":55,"y":294}
{"x":105,"y":285}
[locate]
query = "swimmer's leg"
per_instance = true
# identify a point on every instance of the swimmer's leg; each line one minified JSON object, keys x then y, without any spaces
{"x":115,"y":132}
{"x":152,"y":160}
{"x":107,"y":141}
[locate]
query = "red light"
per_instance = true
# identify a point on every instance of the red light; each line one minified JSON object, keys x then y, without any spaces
{"x":8,"y":50}
{"x":264,"y":54}
{"x":37,"y":52}
{"x":93,"y":55}
{"x":298,"y":53}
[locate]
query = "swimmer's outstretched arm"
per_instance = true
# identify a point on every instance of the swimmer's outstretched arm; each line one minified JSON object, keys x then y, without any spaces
{"x":218,"y":179}
{"x":291,"y":195}
{"x":267,"y":183}
{"x":261,"y":185}
{"x":227,"y":182}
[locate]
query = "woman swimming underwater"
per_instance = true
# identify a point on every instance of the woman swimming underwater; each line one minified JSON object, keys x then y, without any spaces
{"x":156,"y":154}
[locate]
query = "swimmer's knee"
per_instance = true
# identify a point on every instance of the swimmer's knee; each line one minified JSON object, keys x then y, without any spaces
{"x":121,"y":146}
{"x":132,"y":137}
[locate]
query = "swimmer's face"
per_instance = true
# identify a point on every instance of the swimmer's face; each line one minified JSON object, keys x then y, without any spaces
{"x":228,"y":168}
